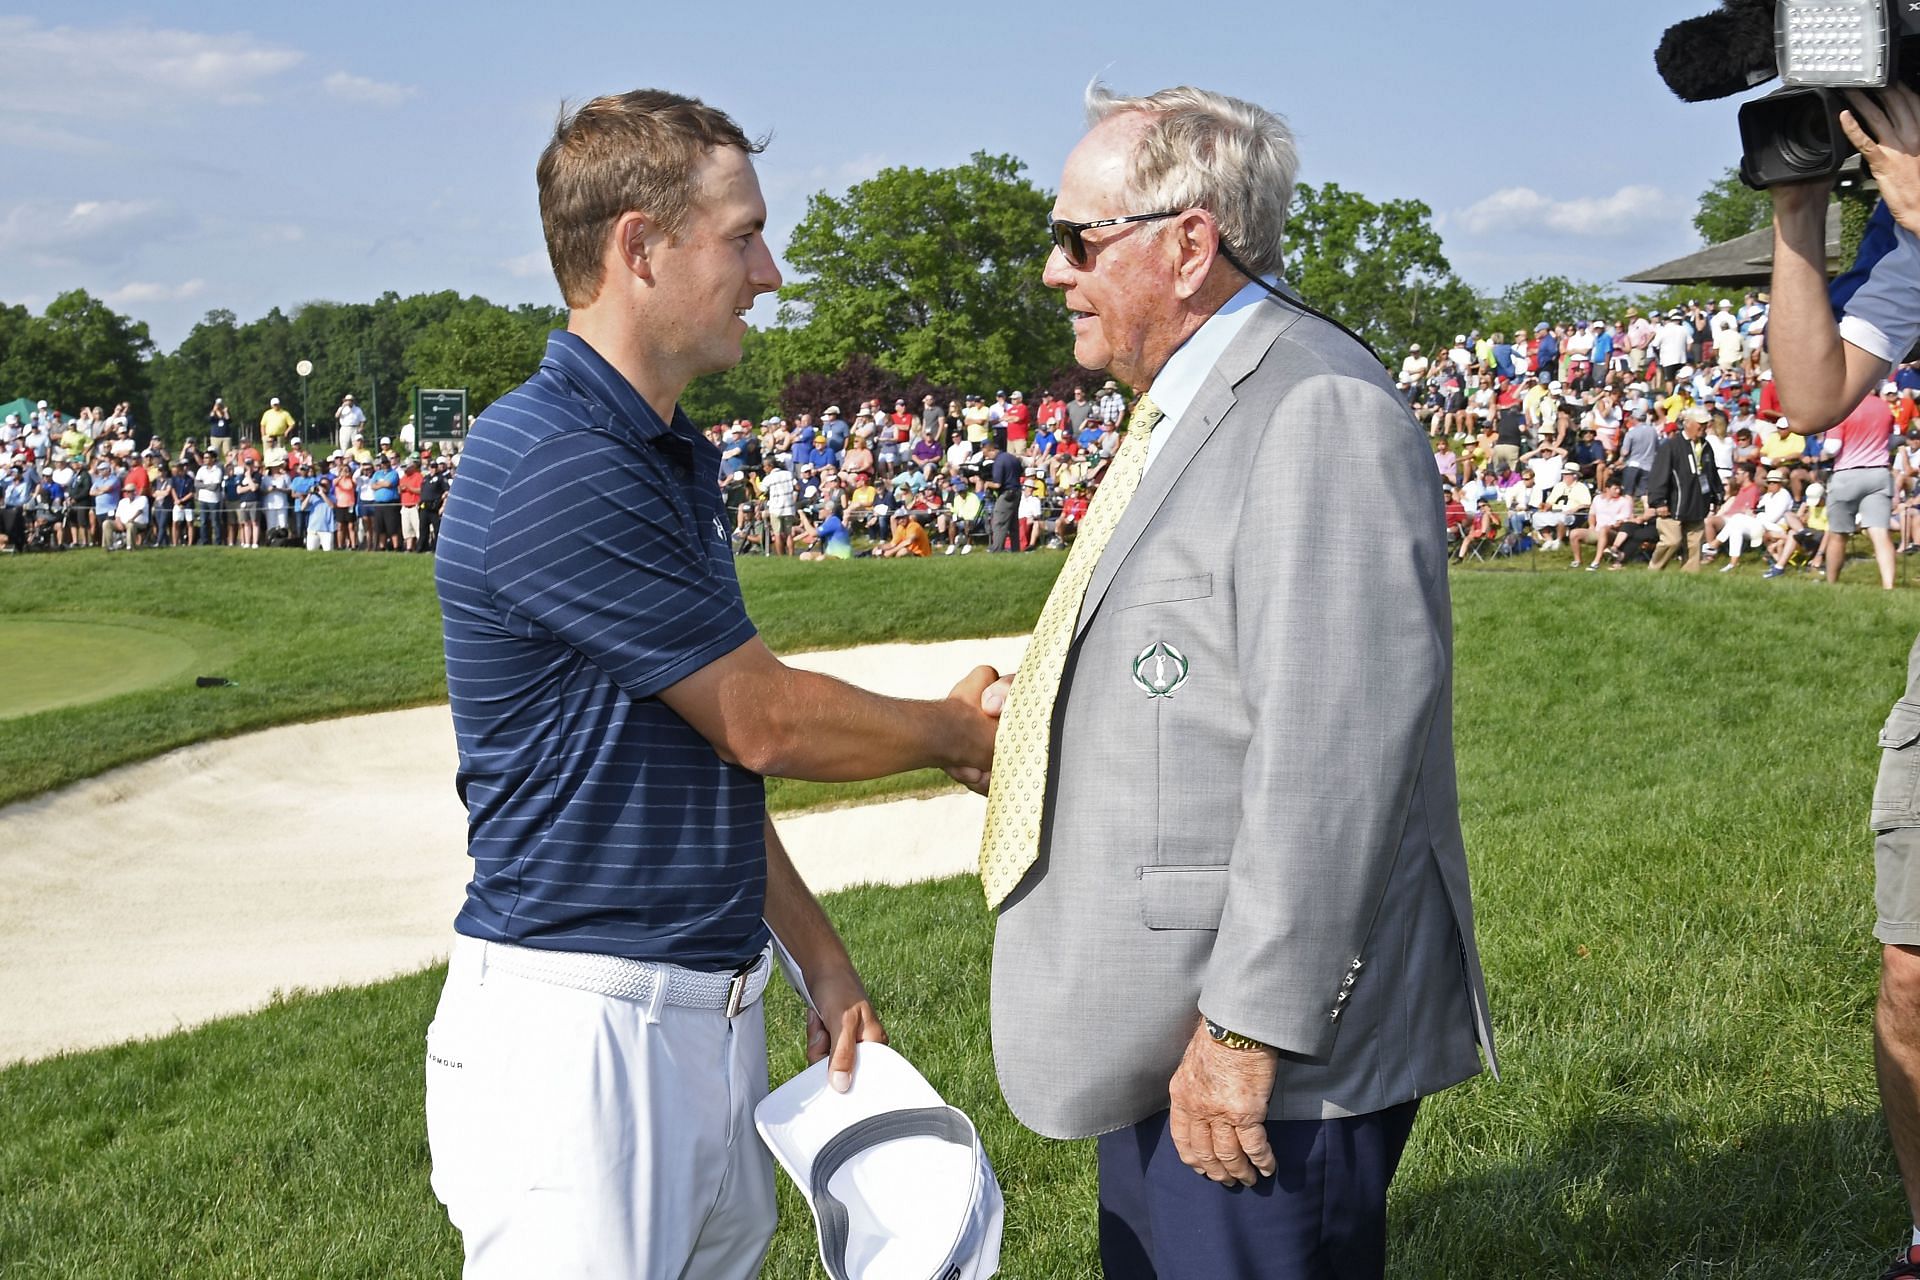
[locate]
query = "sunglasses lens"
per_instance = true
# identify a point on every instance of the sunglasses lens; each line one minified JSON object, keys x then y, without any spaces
{"x":1066,"y":237}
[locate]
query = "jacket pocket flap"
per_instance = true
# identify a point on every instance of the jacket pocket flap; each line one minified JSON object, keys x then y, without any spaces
{"x":1167,"y":591}
{"x":1182,"y":897}
{"x":1903,"y":726}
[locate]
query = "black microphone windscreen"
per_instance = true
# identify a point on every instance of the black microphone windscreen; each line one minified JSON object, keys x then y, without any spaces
{"x":1718,"y":54}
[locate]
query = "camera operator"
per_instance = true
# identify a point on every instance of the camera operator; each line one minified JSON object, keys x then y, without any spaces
{"x":1823,"y":369}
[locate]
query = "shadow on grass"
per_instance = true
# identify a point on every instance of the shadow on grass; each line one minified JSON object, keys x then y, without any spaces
{"x":1646,"y":1196}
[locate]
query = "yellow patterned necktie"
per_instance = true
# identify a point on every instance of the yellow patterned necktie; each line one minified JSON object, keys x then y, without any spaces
{"x":1011,"y":842}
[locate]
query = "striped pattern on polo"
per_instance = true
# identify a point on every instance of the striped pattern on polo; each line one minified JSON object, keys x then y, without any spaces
{"x":584,"y":566}
{"x":1874,"y":299}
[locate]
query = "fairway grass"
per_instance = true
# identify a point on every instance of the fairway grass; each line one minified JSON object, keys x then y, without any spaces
{"x":1664,"y":784}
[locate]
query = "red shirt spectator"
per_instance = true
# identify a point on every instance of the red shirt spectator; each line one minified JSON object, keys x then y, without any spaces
{"x":410,"y":483}
{"x":1018,"y":420}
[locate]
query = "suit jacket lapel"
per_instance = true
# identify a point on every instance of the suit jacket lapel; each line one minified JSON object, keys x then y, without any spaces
{"x":1215,"y":401}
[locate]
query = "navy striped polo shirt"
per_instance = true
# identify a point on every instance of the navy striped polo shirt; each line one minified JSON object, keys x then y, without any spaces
{"x":584,"y":566}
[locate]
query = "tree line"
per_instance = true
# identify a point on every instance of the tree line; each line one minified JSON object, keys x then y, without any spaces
{"x":915,"y":281}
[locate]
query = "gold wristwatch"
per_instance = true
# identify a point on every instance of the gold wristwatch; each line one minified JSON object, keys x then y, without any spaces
{"x":1232,"y":1039}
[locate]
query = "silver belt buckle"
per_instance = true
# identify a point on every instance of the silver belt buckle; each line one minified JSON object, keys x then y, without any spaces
{"x":737,"y":989}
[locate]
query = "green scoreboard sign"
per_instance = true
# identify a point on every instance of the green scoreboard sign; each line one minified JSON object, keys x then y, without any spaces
{"x":440,"y":418}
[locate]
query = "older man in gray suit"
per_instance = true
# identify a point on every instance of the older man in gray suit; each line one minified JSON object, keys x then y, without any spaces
{"x":1223,"y":832}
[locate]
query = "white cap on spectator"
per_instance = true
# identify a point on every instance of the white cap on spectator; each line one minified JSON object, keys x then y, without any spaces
{"x":1554,"y":385}
{"x":1570,"y":469}
{"x":897,"y":1180}
{"x":274,"y":401}
{"x":386,"y":439}
{"x":1816,"y":491}
{"x":42,"y":404}
{"x":832,"y":408}
{"x":1686,"y":371}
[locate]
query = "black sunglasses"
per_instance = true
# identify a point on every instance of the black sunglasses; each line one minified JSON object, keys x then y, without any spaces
{"x":1068,"y":238}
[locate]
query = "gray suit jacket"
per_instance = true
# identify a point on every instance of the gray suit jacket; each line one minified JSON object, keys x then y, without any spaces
{"x":1274,"y":842}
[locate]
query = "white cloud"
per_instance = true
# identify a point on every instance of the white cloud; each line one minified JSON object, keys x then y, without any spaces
{"x":529,"y":266}
{"x":142,"y":291}
{"x":133,"y":67}
{"x":1630,"y":211}
{"x":352,"y":88}
{"x":55,"y":233}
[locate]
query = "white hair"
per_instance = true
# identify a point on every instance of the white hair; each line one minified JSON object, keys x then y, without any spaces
{"x":1205,"y":150}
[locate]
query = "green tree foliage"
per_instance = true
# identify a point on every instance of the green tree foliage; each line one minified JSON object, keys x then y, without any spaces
{"x":78,"y":352}
{"x":1377,"y":268}
{"x":932,"y":273}
{"x":1552,"y":299}
{"x":1730,"y":208}
{"x":750,"y":390}
{"x":378,"y":351}
{"x":486,"y":349}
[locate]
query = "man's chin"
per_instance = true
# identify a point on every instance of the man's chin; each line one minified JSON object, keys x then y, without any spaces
{"x":1091,"y":355}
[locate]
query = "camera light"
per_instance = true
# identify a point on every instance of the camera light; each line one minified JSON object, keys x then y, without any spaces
{"x":1832,"y":43}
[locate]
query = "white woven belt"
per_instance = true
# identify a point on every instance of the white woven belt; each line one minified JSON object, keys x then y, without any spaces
{"x":625,"y":979}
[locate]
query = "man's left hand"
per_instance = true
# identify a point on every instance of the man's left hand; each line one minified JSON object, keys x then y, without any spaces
{"x":840,"y":1018}
{"x":1219,"y":1110}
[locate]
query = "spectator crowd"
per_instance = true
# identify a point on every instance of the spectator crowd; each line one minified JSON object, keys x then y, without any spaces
{"x":1013,"y":473}
{"x":87,"y":481}
{"x":1576,"y":437}
{"x":1573,"y":437}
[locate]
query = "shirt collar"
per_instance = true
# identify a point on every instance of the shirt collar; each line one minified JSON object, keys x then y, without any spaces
{"x":1180,"y":379}
{"x":571,"y":357}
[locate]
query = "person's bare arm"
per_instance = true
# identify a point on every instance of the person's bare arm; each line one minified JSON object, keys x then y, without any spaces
{"x":781,"y":721}
{"x":841,"y":1015}
{"x":1820,"y":377}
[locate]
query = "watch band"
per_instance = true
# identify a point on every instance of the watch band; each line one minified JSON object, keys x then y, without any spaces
{"x":1232,"y":1039}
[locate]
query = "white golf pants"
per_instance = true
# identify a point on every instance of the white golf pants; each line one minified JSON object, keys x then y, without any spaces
{"x":580,"y":1135}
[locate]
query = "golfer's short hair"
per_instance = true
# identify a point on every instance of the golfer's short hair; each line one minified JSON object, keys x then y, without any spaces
{"x":625,"y":152}
{"x":1208,"y":151}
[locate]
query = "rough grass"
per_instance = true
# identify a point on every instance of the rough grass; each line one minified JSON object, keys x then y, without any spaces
{"x":1665,"y":784}
{"x":308,"y":637}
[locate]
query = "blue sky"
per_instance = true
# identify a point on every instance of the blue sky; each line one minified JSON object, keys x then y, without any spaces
{"x":182,"y":157}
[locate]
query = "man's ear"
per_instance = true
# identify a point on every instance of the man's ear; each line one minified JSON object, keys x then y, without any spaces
{"x":631,"y":243}
{"x":1195,"y":237}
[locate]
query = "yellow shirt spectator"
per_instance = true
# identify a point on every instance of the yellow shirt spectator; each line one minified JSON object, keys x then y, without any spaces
{"x":1783,"y":448}
{"x":276,"y":424}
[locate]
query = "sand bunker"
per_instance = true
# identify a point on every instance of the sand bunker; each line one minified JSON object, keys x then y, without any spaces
{"x":201,"y":883}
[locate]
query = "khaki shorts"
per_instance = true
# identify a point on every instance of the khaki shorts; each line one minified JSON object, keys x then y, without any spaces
{"x":410,"y":522}
{"x":1896,"y":826}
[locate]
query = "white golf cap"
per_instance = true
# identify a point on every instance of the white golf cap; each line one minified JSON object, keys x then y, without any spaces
{"x":898,"y":1183}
